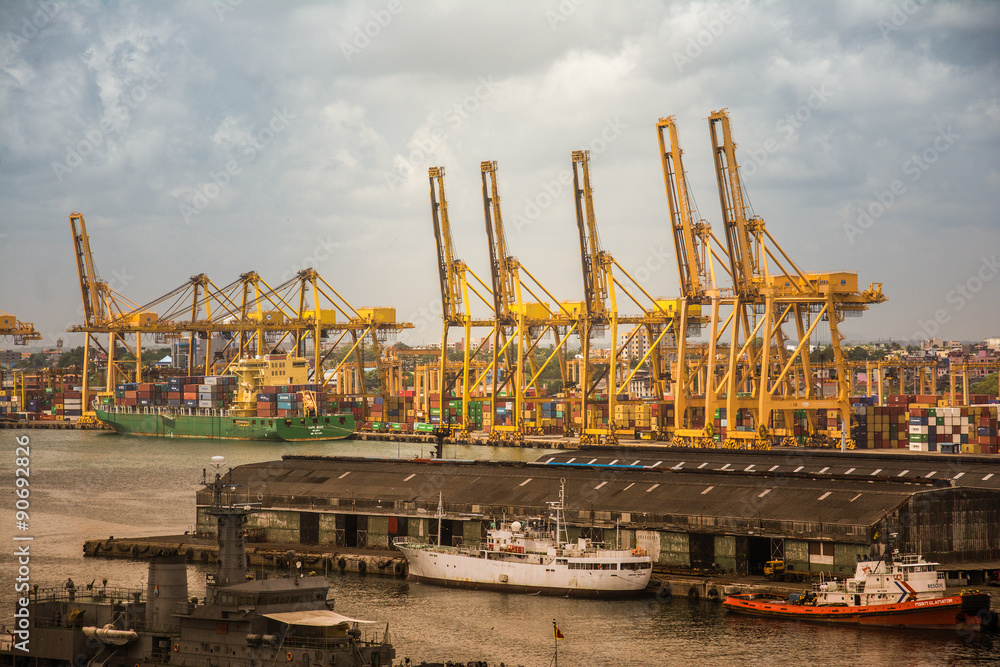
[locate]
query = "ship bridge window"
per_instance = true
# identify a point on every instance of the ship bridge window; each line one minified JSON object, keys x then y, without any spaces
{"x":342,"y":420}
{"x":315,"y":420}
{"x":270,"y":422}
{"x":288,"y":422}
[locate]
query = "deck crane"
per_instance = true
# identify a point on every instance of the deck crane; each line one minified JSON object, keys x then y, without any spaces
{"x":455,"y":307}
{"x":599,"y":310}
{"x":761,"y":377}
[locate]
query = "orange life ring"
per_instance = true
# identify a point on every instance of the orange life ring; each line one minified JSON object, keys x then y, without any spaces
{"x":289,"y":656}
{"x":177,"y":647}
{"x":897,"y":577}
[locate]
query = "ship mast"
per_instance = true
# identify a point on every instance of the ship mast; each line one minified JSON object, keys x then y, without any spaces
{"x":559,"y":507}
{"x":232,"y":565}
{"x":440,"y":514}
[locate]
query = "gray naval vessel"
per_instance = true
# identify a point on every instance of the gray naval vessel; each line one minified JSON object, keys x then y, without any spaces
{"x":241,"y":621}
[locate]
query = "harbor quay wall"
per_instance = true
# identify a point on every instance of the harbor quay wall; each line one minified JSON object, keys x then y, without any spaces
{"x":693,"y":521}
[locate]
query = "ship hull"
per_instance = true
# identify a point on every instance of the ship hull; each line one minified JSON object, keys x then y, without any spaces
{"x":456,"y":569}
{"x":278,"y":429}
{"x":944,"y":613}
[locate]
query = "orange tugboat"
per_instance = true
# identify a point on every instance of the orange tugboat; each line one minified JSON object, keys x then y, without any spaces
{"x":903,"y":592}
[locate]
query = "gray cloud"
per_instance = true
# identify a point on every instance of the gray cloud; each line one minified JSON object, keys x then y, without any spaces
{"x":287,"y":127}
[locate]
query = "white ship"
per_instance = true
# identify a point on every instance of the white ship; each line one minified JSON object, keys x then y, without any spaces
{"x":528,"y":559}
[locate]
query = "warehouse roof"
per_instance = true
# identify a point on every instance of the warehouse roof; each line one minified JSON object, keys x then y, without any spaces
{"x":958,"y":470}
{"x":656,"y":495}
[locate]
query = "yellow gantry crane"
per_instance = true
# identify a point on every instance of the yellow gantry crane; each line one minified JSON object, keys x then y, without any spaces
{"x":770,"y":294}
{"x":22,"y":332}
{"x":105,"y":311}
{"x":453,"y":276}
{"x":518,"y":326}
{"x":251,"y":316}
{"x":599,"y":311}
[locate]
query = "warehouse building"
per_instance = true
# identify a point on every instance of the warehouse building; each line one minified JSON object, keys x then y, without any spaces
{"x":707,"y":516}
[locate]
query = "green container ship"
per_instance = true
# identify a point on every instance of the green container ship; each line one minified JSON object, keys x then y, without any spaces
{"x":168,"y":425}
{"x":267,"y":398}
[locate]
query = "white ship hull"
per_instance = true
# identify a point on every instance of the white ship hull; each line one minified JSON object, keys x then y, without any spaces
{"x":623,"y":575}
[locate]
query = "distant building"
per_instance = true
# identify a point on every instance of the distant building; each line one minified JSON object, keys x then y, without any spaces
{"x":10,"y":357}
{"x":637,"y":347}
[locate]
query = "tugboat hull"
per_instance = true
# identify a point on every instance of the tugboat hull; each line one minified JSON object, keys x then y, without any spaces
{"x":943,"y":613}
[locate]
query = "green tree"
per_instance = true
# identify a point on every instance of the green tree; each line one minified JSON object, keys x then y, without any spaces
{"x":37,"y":361}
{"x":988,"y":385}
{"x":72,"y":357}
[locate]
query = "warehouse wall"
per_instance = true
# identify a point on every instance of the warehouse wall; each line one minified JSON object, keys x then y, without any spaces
{"x":950,"y":525}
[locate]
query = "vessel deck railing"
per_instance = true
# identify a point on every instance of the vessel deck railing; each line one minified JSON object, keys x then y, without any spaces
{"x":366,"y":638}
{"x":165,"y":410}
{"x":97,"y":595}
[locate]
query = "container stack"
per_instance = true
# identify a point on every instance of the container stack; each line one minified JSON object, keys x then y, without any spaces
{"x":267,"y":403}
{"x":886,"y":427}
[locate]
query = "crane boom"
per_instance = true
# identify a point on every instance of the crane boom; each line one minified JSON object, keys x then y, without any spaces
{"x":595,"y":285}
{"x":451,"y":294}
{"x":690,"y":250}
{"x":739,"y":225}
{"x":90,"y":285}
{"x":503,"y":266}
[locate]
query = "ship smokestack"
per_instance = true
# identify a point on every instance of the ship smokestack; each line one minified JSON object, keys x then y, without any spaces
{"x":166,"y":590}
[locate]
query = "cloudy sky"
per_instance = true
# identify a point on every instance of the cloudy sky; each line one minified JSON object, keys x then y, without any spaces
{"x":224,"y":137}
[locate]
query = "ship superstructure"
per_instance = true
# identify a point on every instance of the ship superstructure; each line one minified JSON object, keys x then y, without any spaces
{"x":530,"y":558}
{"x":240,"y":621}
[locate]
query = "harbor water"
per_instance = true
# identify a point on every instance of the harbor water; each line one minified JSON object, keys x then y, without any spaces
{"x":91,"y":485}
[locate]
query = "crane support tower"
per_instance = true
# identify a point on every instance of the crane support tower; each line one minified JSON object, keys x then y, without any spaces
{"x":757,"y":361}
